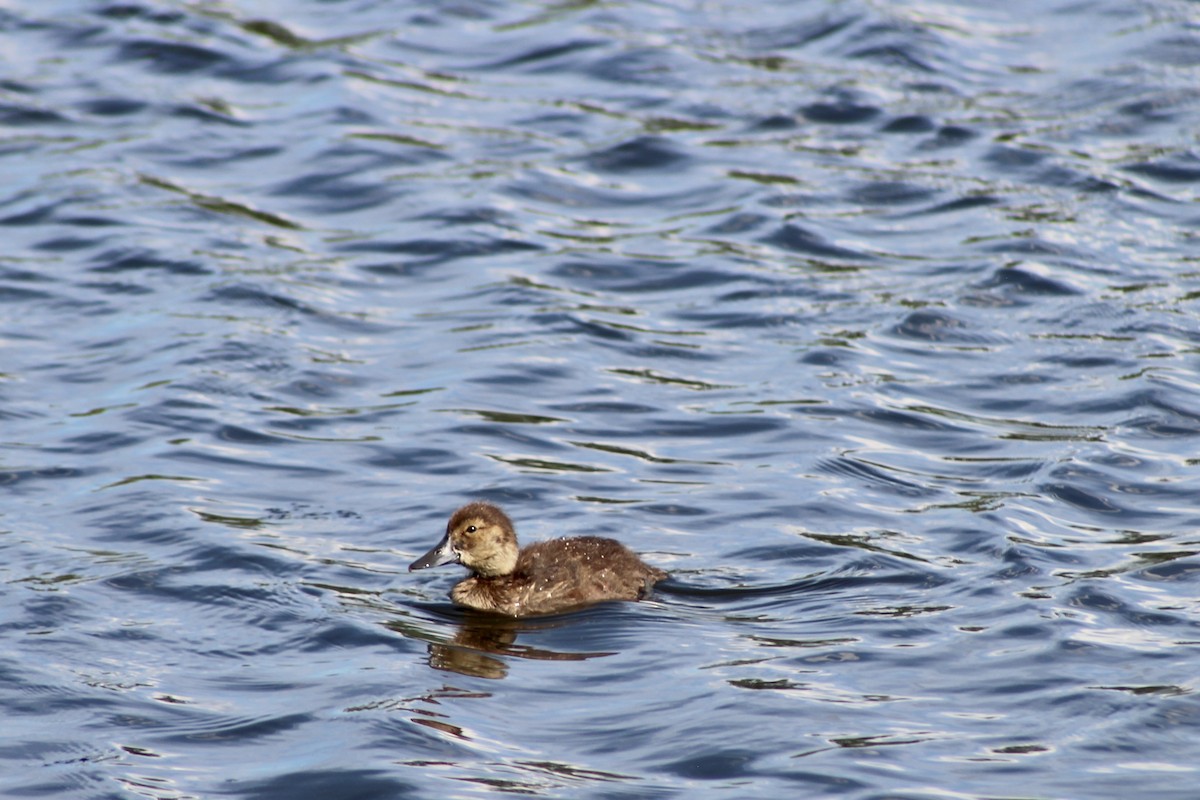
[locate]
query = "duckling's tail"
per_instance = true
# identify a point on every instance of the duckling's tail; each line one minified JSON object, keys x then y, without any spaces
{"x":653,"y":576}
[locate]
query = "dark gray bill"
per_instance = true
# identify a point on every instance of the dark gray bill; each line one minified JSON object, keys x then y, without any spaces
{"x":442,"y":553}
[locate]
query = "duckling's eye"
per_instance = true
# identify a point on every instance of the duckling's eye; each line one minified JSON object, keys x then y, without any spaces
{"x":470,"y":529}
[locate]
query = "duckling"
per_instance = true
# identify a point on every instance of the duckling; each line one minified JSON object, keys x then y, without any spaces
{"x":544,"y":578}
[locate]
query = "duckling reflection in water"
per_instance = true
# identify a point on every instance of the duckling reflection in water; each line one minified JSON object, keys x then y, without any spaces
{"x":544,"y":578}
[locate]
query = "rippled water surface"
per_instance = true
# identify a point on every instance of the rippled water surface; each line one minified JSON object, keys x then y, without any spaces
{"x":875,"y":323}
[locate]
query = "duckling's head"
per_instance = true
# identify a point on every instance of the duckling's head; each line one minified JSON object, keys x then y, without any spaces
{"x":480,"y":537}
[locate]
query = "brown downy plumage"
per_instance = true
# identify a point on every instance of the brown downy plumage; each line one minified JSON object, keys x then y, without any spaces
{"x":544,"y":578}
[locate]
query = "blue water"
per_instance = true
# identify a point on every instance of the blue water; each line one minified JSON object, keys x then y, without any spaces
{"x":874,"y":323}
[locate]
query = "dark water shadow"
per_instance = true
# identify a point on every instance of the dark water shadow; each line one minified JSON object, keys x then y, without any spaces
{"x":482,"y":642}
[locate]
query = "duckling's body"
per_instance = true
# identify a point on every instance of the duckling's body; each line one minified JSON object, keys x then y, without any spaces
{"x":544,"y":578}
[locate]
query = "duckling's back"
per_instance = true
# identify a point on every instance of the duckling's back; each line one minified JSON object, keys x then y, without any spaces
{"x":565,"y":573}
{"x":562,"y":574}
